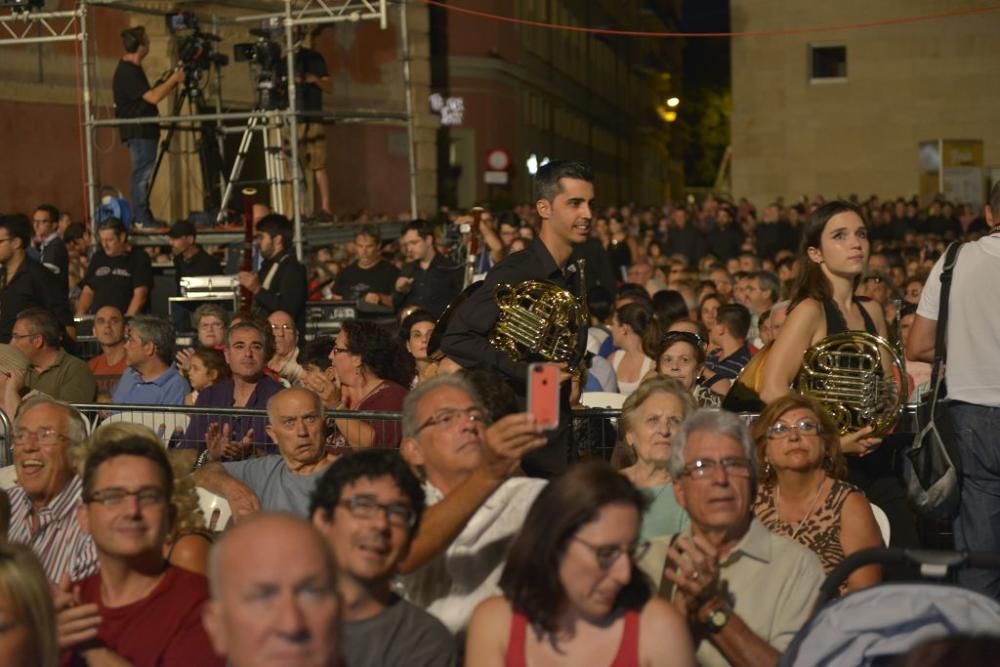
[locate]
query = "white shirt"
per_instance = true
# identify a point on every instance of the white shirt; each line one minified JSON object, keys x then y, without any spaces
{"x":973,"y":321}
{"x":455,"y":581}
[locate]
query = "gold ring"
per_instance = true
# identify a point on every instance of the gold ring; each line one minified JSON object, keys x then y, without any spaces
{"x":695,"y":575}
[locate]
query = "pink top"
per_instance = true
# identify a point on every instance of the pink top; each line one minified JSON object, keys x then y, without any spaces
{"x":628,"y":650}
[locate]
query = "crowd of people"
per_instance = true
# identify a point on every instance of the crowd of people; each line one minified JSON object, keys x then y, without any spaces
{"x":441,"y":537}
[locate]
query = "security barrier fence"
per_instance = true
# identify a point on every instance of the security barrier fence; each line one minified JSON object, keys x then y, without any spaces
{"x":594,"y":429}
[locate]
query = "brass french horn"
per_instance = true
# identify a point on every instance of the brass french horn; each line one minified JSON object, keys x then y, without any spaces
{"x":539,"y":319}
{"x":858,"y":377}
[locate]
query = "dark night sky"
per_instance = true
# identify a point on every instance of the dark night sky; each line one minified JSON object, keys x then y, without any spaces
{"x":706,"y":61}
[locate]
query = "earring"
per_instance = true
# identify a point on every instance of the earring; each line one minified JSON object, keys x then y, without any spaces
{"x":767,"y":468}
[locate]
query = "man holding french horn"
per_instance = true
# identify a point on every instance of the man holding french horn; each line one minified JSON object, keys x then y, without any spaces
{"x":564,"y":196}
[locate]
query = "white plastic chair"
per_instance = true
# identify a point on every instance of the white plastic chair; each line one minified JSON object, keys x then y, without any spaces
{"x":882,"y":519}
{"x":215,"y":508}
{"x":602,"y":399}
{"x":163,"y":423}
{"x":8,"y":477}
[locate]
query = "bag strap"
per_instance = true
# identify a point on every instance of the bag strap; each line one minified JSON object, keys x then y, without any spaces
{"x":940,"y":352}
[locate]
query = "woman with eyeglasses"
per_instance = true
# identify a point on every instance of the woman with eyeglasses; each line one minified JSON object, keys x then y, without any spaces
{"x":650,"y":417}
{"x":681,"y":355}
{"x":572,"y":594}
{"x":802,"y":495}
{"x":372,"y":371}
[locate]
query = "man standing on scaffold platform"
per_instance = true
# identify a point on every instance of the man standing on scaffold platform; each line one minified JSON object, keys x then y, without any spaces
{"x":135,"y":98}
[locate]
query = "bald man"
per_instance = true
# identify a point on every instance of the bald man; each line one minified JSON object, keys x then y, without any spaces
{"x":279,"y":482}
{"x":274,"y":595}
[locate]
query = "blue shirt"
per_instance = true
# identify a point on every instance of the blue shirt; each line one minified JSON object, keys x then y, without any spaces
{"x":169,"y":388}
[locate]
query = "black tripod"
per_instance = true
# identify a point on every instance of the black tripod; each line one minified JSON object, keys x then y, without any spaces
{"x":209,"y":158}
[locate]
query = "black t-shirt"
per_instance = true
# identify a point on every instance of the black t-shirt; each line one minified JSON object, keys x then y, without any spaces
{"x":200,"y":264}
{"x":129,"y":85}
{"x":354,"y":282}
{"x":113,"y":279}
{"x":310,"y":96}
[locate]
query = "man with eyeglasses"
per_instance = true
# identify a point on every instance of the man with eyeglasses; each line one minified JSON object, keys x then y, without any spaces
{"x":279,"y":482}
{"x":743,"y":589}
{"x":428,"y":279}
{"x":475,"y":503}
{"x":24,"y":282}
{"x":368,"y":506}
{"x":46,"y":436}
{"x":138,"y":609}
{"x":52,"y":251}
{"x":52,"y":370}
{"x":284,"y":362}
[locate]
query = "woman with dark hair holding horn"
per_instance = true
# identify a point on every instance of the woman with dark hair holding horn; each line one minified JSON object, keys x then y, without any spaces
{"x":832,"y":260}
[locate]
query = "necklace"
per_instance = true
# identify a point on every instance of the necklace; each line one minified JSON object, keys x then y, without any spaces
{"x":369,"y":393}
{"x":812,"y":505}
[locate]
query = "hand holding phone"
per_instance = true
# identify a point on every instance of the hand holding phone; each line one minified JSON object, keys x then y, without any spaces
{"x":543,"y":394}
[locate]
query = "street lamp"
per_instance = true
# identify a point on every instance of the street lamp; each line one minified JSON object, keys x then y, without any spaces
{"x":673,"y":102}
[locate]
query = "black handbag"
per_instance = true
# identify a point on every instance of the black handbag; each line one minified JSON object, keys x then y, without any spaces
{"x":930,"y":466}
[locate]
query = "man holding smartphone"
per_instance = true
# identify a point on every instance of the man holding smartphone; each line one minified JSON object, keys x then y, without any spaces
{"x":564,"y":196}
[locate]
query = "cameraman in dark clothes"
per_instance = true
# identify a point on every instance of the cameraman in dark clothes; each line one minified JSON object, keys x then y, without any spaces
{"x":135,"y":98}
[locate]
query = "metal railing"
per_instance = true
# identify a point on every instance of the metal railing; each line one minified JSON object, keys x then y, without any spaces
{"x":594,"y":429}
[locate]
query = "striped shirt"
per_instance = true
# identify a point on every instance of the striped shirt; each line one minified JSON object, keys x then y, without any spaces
{"x":58,"y":542}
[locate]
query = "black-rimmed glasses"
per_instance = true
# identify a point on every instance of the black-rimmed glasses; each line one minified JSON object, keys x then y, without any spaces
{"x":366,"y":507}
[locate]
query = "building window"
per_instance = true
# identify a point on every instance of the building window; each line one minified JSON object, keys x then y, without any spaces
{"x":827,"y":63}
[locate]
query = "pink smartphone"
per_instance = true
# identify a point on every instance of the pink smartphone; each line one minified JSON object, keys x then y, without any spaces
{"x":543,"y":394}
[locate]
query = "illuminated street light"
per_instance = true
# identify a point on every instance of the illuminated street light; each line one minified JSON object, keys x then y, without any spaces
{"x":673,"y":102}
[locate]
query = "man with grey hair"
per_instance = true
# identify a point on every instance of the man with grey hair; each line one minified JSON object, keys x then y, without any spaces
{"x":277,"y":482}
{"x":762,"y":293}
{"x":475,"y":505}
{"x":297,"y":620}
{"x":46,"y":439}
{"x":151,"y":377}
{"x":744,"y":589}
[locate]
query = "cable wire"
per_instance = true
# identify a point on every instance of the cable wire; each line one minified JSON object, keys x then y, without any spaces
{"x":903,"y":20}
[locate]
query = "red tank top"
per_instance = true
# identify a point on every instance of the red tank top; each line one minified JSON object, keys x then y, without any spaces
{"x":628,"y":650}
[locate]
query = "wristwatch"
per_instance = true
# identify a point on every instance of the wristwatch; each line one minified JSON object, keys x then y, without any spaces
{"x":714,"y":615}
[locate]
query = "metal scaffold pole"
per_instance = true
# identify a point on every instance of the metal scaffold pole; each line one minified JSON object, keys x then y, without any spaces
{"x":408,"y":93}
{"x":293,"y":139}
{"x":88,"y":132}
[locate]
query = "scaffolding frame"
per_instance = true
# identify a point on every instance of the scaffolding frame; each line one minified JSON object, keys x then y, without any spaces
{"x":17,"y":24}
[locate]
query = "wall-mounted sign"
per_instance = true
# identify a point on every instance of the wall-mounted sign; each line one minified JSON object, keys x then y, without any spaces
{"x":498,"y":160}
{"x":496,"y":178}
{"x":451,"y":109}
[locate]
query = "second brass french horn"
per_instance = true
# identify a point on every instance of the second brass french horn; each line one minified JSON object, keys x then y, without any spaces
{"x":858,"y":377}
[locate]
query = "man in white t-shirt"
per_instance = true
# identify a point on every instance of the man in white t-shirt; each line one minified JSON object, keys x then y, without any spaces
{"x":973,"y":386}
{"x":475,"y":506}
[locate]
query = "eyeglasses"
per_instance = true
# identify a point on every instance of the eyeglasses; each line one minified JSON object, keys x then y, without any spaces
{"x":43,"y":436}
{"x":340,"y":350}
{"x":702,"y":468}
{"x":27,"y":335}
{"x":111,"y":497}
{"x":366,"y":507}
{"x":282,"y":327}
{"x":450,"y":416}
{"x":608,"y":554}
{"x":779,"y":430}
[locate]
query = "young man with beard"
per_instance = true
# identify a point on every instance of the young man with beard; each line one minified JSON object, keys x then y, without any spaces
{"x":564,"y":198}
{"x":282,"y":282}
{"x":368,"y":506}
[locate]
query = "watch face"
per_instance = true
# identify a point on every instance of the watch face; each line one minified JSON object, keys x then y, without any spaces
{"x":718,"y":618}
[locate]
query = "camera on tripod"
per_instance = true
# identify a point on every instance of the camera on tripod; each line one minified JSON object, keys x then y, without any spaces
{"x":196,"y":50}
{"x":270,"y":75}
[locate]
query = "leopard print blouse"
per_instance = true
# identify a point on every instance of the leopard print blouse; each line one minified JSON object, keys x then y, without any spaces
{"x":821,"y":532}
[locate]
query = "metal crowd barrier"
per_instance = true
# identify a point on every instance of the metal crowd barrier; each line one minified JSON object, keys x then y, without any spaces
{"x":594,"y":429}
